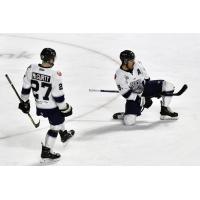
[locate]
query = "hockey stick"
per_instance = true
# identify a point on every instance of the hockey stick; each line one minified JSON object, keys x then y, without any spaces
{"x":13,"y":87}
{"x":111,"y":91}
{"x":180,"y":92}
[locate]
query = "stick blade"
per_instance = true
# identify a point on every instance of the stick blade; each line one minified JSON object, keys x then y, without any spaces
{"x":183,"y":89}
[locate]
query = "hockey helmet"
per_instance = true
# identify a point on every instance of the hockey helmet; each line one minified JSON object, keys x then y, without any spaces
{"x":126,"y":55}
{"x":47,"y":54}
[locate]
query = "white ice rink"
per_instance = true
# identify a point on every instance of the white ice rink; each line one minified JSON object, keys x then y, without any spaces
{"x":90,"y":61}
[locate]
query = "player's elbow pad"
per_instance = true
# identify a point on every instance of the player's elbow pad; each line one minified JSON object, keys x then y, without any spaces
{"x":67,"y":111}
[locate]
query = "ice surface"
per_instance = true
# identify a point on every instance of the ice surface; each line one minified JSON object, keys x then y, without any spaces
{"x":90,"y":61}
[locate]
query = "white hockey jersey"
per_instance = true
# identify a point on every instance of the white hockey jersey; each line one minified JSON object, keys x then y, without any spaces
{"x":125,"y":80}
{"x":46,"y":85}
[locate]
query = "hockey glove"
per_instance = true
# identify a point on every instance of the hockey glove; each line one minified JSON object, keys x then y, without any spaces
{"x":24,"y":106}
{"x":148,"y":102}
{"x":67,"y":111}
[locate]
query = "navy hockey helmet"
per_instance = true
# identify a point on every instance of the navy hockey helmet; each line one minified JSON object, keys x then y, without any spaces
{"x":47,"y":54}
{"x":126,"y":55}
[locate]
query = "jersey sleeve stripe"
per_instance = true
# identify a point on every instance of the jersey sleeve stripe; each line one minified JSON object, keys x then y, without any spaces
{"x":26,"y":91}
{"x":59,"y":99}
{"x":127,"y":94}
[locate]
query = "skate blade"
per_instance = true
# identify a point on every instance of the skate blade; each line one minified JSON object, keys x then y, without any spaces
{"x":47,"y":161}
{"x":163,"y":117}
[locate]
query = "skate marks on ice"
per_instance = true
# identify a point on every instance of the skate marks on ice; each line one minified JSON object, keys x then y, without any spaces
{"x":114,"y":128}
{"x":42,"y":163}
{"x":110,"y":129}
{"x":28,"y":132}
{"x":75,"y":46}
{"x":94,"y":109}
{"x":63,"y":147}
{"x":64,"y":43}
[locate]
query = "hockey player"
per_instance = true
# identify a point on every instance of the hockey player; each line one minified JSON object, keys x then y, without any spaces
{"x":47,"y":88}
{"x":135,"y":86}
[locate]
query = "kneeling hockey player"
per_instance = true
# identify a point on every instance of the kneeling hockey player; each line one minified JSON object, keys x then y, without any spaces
{"x":135,"y":86}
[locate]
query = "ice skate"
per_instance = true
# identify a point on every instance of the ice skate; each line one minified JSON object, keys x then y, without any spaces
{"x":119,"y":115}
{"x":167,"y":114}
{"x":66,"y":135}
{"x":47,"y":156}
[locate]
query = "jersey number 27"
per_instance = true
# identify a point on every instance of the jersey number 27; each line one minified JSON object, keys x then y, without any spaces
{"x":35,"y":85}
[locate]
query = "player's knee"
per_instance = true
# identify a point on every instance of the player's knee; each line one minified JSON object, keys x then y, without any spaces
{"x":52,"y":133}
{"x":167,"y":86}
{"x":56,"y":127}
{"x":129,"y":120}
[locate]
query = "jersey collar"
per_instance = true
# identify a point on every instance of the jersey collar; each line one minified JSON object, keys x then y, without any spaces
{"x":40,"y":65}
{"x":130,"y":71}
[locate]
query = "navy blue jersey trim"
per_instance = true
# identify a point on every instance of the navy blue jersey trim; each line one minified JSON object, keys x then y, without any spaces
{"x":26,"y":91}
{"x":52,"y":133}
{"x":127,"y":94}
{"x":59,"y":99}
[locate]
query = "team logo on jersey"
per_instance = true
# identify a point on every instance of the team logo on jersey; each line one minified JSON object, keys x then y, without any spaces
{"x":59,"y":73}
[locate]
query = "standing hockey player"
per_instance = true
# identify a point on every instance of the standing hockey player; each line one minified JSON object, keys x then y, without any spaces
{"x":47,"y":88}
{"x":135,"y":86}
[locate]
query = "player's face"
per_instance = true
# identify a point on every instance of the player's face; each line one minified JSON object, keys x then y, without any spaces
{"x":130,"y":64}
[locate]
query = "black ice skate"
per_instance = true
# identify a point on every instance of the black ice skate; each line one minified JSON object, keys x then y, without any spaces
{"x":167,"y":114}
{"x":66,"y":135}
{"x":48,"y":156}
{"x":119,"y":115}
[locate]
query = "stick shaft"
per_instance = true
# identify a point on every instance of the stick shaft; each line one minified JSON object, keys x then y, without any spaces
{"x":13,"y":87}
{"x":111,"y":91}
{"x":180,"y":92}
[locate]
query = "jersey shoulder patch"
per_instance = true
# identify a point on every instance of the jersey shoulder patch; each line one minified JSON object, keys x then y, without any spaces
{"x":59,"y":73}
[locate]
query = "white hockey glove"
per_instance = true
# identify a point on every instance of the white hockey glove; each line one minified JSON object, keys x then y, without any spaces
{"x":67,"y":111}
